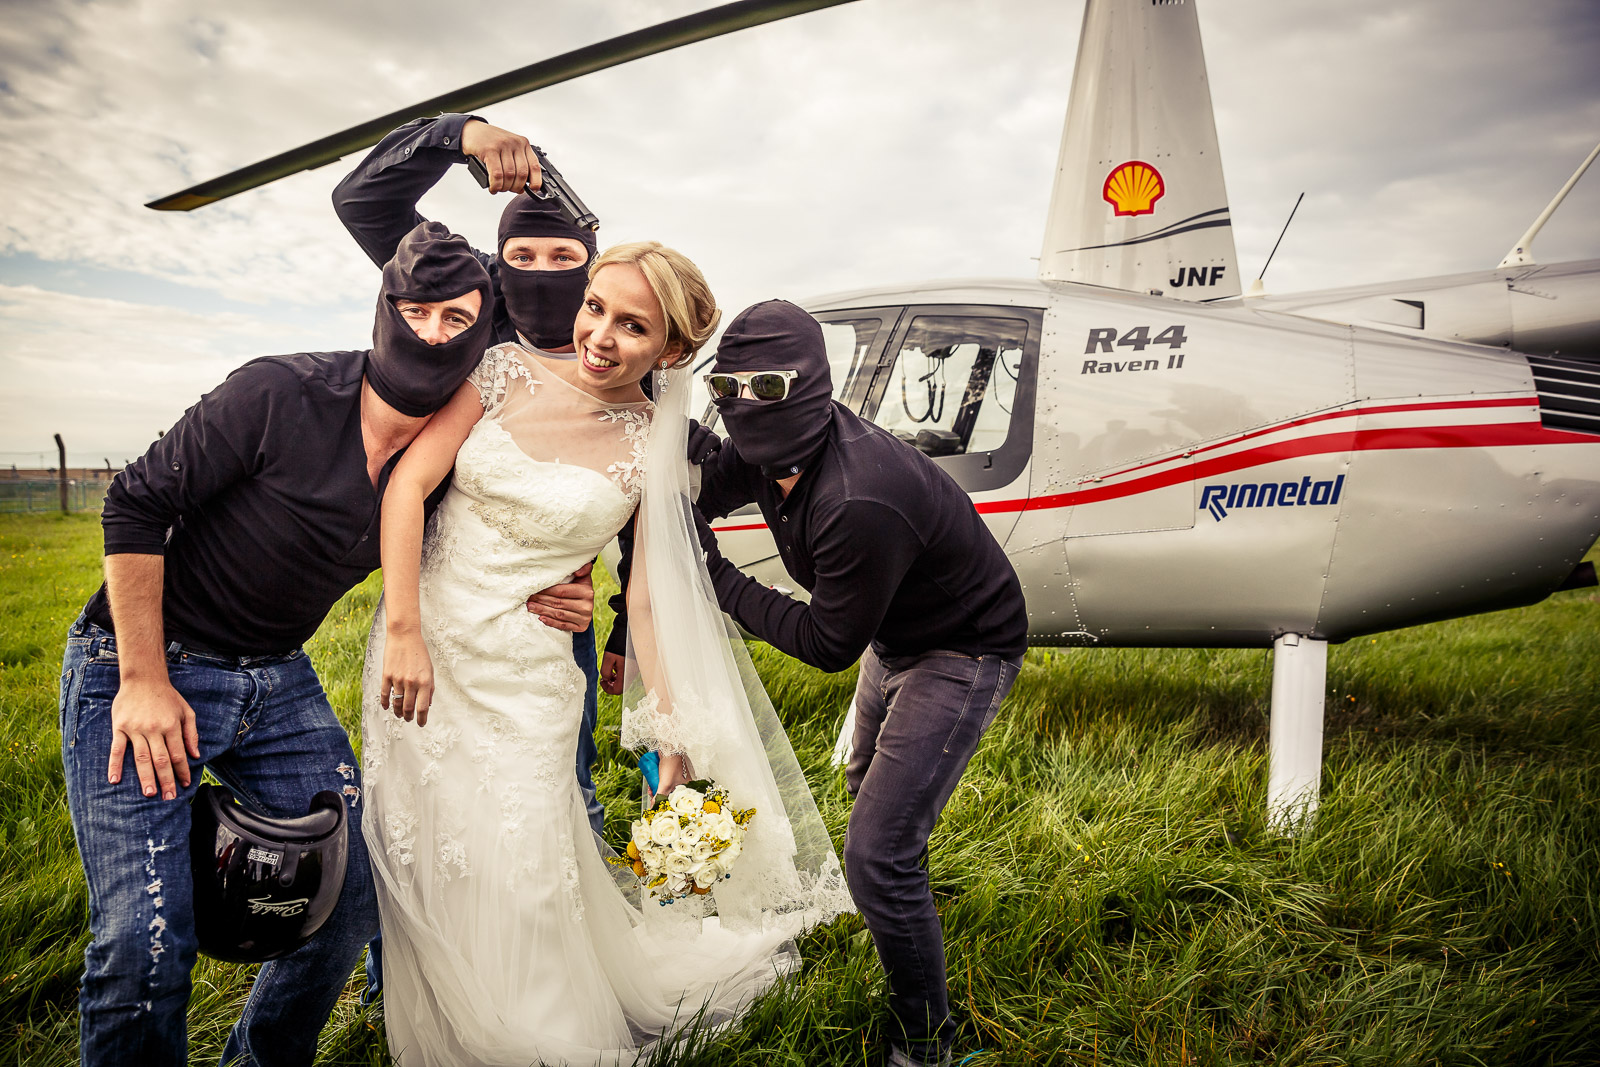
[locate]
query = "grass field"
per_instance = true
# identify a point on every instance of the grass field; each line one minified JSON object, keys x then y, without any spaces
{"x":1108,"y":890}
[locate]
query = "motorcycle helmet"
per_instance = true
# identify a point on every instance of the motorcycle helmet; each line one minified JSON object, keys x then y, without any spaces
{"x":262,"y":885}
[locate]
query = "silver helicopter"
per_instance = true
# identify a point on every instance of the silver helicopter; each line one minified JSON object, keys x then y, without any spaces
{"x":1167,"y":459}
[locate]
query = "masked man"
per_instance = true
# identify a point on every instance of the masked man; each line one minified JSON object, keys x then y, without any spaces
{"x":226,"y":545}
{"x":903,"y":574}
{"x":537,"y":278}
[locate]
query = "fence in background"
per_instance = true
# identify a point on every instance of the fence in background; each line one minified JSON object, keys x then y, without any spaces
{"x":38,"y":494}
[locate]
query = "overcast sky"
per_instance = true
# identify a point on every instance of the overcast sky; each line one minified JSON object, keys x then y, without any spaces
{"x":883,"y":141}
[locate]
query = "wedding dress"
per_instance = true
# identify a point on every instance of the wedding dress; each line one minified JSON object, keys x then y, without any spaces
{"x":508,"y":939}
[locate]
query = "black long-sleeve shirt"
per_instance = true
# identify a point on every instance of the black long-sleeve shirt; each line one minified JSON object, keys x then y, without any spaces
{"x":260,"y":501}
{"x":377,"y":202}
{"x":890,"y":548}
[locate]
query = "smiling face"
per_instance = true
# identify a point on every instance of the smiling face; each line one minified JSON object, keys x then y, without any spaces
{"x":438,"y":321}
{"x":544,"y":253}
{"x":620,"y":333}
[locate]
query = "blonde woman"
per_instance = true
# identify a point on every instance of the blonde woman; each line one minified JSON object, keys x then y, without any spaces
{"x":507,"y":937}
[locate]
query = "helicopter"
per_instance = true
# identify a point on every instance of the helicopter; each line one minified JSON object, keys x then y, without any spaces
{"x":1168,"y":459}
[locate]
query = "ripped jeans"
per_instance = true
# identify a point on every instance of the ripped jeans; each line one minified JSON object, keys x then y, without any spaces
{"x":268,"y":733}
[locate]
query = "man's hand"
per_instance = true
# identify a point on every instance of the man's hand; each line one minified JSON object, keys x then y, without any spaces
{"x":611,"y":666}
{"x":568,"y":606}
{"x":508,"y":157}
{"x":703,"y":444}
{"x":158,"y":725}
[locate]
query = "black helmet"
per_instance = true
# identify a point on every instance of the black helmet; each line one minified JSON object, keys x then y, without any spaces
{"x":263,"y":886}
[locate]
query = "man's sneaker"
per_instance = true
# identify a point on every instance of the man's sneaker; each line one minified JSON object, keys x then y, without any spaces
{"x":899,"y":1057}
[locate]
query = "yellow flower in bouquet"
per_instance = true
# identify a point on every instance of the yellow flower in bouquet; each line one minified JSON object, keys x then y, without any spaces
{"x":687,"y":842}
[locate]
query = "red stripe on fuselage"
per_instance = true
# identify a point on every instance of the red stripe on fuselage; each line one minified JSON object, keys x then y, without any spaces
{"x":1347,"y":413}
{"x":1481,"y":436}
{"x":1489,"y":435}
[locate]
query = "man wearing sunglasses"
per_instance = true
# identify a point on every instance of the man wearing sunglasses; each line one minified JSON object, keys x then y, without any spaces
{"x":904,"y":575}
{"x":756,"y":384}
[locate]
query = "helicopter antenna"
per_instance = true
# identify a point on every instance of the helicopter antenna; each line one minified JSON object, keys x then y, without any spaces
{"x":1279,"y":241}
{"x":1522,"y":252}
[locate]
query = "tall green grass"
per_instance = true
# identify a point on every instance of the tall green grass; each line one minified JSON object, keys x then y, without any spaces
{"x":1108,"y":888}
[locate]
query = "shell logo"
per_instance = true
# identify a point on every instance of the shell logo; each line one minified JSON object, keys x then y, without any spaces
{"x":1132,"y":188}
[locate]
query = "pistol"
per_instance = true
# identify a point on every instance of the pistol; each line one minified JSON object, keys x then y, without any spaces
{"x":554,"y":186}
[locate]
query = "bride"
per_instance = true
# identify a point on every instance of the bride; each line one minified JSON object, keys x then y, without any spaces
{"x":508,"y":939}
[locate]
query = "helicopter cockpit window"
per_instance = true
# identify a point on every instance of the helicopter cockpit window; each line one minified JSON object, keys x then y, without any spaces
{"x":848,"y":343}
{"x":953,"y":384}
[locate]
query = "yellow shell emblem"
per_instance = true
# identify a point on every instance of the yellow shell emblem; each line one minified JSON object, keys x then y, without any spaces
{"x":1132,"y":188}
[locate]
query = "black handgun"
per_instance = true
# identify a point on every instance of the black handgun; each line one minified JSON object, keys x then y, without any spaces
{"x":554,"y":186}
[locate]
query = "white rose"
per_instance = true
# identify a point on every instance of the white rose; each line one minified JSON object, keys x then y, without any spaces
{"x":683,"y":846}
{"x":706,"y":877}
{"x":686,"y":801}
{"x":703,"y":850}
{"x":678,"y":863}
{"x":720,"y":825}
{"x":730,"y":853}
{"x":641,"y":835}
{"x":654,"y":856}
{"x":664,"y":829}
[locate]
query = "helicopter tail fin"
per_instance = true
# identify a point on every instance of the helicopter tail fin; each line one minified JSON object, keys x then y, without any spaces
{"x":1139,"y":202}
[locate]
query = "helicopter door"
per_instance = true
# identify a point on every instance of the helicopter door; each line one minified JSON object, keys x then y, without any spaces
{"x":957,"y":383}
{"x":855,"y":341}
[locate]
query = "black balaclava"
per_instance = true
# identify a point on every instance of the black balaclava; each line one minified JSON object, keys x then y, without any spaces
{"x":542,"y":304}
{"x":412,"y":376}
{"x":779,"y":436}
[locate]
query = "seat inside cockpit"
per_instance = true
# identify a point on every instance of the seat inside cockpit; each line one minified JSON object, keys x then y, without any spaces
{"x":952,"y":383}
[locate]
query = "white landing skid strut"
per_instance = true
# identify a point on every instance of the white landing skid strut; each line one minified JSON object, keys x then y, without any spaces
{"x":1299,"y":692}
{"x":847,"y":738}
{"x":1299,"y":695}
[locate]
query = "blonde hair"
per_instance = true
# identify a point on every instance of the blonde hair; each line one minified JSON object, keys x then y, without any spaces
{"x":679,"y":287}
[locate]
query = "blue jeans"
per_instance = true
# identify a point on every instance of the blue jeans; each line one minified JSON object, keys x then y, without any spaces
{"x":267,"y":732}
{"x":918,"y":721}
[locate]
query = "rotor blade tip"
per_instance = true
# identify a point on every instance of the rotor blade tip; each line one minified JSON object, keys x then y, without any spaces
{"x":184,"y":201}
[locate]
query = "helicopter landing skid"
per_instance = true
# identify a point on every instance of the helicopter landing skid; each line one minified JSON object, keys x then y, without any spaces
{"x":1299,"y":692}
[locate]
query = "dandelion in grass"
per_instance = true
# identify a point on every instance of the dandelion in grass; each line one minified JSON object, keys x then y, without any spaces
{"x":687,"y":841}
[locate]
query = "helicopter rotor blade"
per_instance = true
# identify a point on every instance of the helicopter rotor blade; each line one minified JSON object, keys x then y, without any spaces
{"x":713,"y":22}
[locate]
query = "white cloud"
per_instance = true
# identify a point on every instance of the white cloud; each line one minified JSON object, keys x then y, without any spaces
{"x":107,"y":374}
{"x":882,"y":141}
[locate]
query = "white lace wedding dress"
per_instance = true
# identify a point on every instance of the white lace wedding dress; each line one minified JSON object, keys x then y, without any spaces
{"x":507,"y":938}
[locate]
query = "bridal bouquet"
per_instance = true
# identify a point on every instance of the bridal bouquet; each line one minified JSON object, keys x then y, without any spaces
{"x":687,"y":842}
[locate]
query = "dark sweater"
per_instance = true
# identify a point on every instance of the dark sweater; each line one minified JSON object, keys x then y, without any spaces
{"x":890,"y":548}
{"x":377,"y":202}
{"x":263,"y":486}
